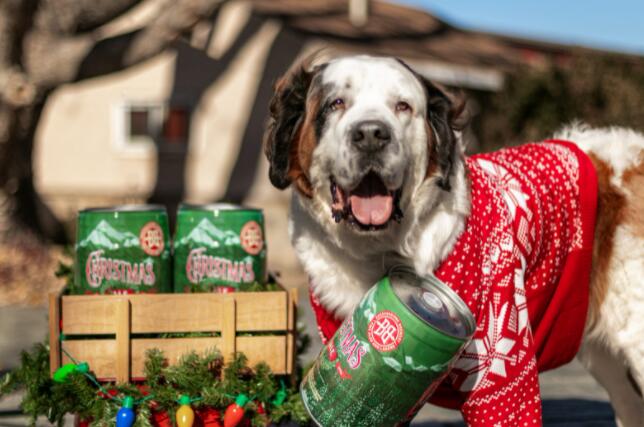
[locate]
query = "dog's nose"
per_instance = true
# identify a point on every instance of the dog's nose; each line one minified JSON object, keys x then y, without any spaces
{"x":370,"y":135}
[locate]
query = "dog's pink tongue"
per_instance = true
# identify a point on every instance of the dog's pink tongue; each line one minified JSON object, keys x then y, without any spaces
{"x":374,"y":210}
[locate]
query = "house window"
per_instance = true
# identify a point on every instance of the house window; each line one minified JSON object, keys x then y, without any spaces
{"x":140,"y":127}
{"x":143,"y":123}
{"x":139,"y":122}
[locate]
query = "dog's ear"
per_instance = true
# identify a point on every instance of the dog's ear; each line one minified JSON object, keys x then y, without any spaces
{"x":442,"y":114}
{"x":287,"y":111}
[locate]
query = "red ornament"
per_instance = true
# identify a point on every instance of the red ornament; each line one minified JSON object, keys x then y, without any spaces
{"x":144,"y":389}
{"x":80,"y":422}
{"x":261,"y":410}
{"x":161,"y":419}
{"x":110,"y":393}
{"x":235,"y":411}
{"x":208,"y":417}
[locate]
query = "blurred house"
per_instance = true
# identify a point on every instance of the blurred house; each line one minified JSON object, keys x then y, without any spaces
{"x":187,"y":125}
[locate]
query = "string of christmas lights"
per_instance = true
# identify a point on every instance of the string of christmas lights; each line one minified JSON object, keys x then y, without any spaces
{"x":185,"y":416}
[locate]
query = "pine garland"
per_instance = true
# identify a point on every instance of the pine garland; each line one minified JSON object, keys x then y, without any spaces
{"x":204,"y":378}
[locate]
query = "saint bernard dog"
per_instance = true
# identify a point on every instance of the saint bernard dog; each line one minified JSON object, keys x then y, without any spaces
{"x":545,"y":243}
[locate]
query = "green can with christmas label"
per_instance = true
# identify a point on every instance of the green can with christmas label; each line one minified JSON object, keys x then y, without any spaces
{"x":388,"y":357}
{"x":122,"y":249}
{"x":218,"y":248}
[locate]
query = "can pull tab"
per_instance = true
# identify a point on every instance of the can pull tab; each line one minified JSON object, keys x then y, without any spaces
{"x":432,"y":301}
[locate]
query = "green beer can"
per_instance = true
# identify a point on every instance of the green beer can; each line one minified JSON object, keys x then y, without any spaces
{"x":218,"y":247}
{"x":123,"y":249}
{"x":388,"y":357}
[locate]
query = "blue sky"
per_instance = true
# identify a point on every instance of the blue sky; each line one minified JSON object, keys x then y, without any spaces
{"x":606,"y":24}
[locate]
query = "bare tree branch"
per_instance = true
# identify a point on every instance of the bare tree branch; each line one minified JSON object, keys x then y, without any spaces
{"x":78,"y":16}
{"x":51,"y":61}
{"x":5,"y":131}
{"x":16,"y":89}
{"x":168,"y":27}
{"x":15,"y":21}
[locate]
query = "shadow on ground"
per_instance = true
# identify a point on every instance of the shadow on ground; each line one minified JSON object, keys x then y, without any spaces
{"x":561,"y":412}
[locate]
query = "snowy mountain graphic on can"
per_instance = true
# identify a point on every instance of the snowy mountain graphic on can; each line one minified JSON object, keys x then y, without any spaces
{"x":122,"y":249}
{"x":218,"y":247}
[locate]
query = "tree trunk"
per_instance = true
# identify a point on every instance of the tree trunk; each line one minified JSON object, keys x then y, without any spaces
{"x":21,"y":208}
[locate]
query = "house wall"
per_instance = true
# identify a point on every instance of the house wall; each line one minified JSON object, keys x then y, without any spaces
{"x":82,"y":156}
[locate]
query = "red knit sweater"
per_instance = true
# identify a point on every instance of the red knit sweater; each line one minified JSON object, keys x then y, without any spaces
{"x":522,"y":265}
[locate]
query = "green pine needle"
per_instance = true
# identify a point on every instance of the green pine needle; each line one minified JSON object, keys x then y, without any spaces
{"x":204,"y":378}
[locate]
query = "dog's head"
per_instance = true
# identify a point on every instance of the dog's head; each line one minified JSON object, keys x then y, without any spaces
{"x":360,"y":135}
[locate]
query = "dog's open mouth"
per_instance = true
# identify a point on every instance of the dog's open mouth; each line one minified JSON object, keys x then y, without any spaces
{"x":369,"y":206}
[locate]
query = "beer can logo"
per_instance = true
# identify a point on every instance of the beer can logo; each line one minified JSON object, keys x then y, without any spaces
{"x":385,"y":331}
{"x":151,"y":238}
{"x":251,"y":238}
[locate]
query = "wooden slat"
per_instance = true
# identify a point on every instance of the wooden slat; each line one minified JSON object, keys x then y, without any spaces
{"x":261,"y":311}
{"x":268,"y":349}
{"x":173,"y":349}
{"x":123,"y":341}
{"x":175,"y":313}
{"x":95,"y":314}
{"x":54,"y":332}
{"x":100,"y":354}
{"x":228,"y":330}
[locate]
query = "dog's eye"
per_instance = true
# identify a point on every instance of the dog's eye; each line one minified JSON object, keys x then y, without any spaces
{"x":337,"y":103}
{"x":403,"y":106}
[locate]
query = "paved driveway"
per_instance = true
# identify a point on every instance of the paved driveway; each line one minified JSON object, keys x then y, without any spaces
{"x":571,"y":397}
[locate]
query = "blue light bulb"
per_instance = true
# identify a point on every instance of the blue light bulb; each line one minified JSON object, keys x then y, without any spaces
{"x":125,"y":416}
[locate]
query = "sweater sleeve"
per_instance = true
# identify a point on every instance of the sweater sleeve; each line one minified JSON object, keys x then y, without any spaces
{"x":513,"y":401}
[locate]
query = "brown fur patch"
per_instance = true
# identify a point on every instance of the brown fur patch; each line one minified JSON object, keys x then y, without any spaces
{"x":301,"y":154}
{"x":432,"y":153}
{"x":610,"y":213}
{"x":633,"y":179}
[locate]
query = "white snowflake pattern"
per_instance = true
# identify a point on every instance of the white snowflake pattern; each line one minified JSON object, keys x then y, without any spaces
{"x":488,"y":353}
{"x":509,"y":186}
{"x":520,"y":296}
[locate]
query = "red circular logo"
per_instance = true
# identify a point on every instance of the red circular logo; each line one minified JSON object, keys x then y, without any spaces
{"x":251,"y":238}
{"x":385,"y":331}
{"x":151,"y":239}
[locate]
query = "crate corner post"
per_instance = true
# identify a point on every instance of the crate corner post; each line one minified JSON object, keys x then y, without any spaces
{"x":54,"y":332}
{"x":291,"y":350}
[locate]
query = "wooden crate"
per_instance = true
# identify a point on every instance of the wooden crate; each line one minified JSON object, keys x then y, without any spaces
{"x":122,"y":319}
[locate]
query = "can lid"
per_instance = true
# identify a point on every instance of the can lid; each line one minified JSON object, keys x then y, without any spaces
{"x":433,"y":302}
{"x":124,"y":208}
{"x":217,"y":207}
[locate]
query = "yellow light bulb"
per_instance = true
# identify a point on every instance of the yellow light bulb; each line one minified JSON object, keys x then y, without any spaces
{"x":185,"y":415}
